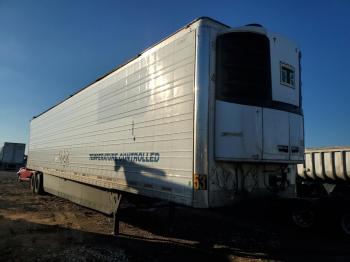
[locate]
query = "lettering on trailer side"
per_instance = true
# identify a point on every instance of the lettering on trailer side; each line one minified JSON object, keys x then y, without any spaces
{"x":127,"y":156}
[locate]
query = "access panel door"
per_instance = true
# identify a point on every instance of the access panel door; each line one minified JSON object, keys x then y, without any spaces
{"x":238,"y":132}
{"x":275,"y":135}
{"x":296,"y":127}
{"x":284,"y":70}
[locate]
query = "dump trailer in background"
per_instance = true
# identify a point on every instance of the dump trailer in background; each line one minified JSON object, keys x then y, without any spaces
{"x":204,"y":117}
{"x":12,"y":155}
{"x":327,"y":165}
{"x":324,"y":180}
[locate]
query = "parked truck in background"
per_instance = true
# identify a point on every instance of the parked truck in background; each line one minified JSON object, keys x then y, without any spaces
{"x":202,"y":118}
{"x":12,"y":155}
{"x":324,"y":180}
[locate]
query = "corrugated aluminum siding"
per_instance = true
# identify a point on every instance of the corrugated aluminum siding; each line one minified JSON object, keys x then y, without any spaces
{"x":326,"y":164}
{"x":145,"y":106}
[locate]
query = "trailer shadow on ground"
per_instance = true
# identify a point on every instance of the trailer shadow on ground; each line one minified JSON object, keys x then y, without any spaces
{"x":41,"y":228}
{"x":253,"y":229}
{"x":38,"y":242}
{"x":23,"y":240}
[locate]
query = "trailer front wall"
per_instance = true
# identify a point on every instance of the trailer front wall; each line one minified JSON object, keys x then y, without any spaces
{"x":132,"y":130}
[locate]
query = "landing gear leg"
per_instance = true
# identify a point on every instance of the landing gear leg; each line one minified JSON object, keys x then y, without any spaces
{"x":171,"y":216}
{"x":118,"y":198}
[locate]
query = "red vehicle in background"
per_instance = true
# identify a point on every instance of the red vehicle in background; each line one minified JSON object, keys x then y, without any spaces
{"x":36,"y":182}
{"x":24,"y":174}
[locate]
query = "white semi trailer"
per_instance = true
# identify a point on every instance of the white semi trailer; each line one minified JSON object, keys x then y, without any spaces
{"x":205,"y":115}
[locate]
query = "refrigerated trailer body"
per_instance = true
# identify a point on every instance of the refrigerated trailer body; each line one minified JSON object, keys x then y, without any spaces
{"x":12,"y":155}
{"x":200,"y":118}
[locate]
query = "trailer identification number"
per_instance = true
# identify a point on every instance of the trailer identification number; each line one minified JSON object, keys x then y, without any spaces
{"x":200,"y":182}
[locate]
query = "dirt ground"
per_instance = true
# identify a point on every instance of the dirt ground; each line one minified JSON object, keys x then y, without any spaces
{"x":48,"y":228}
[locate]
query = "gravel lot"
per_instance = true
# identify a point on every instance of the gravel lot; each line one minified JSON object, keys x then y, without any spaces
{"x":48,"y":228}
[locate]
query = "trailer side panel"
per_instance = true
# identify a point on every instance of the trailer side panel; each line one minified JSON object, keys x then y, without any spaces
{"x":132,"y":130}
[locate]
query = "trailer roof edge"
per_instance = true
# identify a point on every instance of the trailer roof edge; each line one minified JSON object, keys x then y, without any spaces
{"x":128,"y":61}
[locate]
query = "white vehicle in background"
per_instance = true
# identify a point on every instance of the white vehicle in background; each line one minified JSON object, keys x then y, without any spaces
{"x":324,"y":180}
{"x":205,"y":115}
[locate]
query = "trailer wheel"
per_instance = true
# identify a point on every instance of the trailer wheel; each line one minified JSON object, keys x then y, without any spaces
{"x":32,"y":182}
{"x":38,"y":185}
{"x":345,"y":223}
{"x":303,"y":216}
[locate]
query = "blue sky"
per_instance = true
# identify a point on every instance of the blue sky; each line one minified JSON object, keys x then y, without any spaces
{"x":51,"y":49}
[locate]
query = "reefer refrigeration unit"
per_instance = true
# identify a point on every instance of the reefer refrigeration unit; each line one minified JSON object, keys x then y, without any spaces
{"x":205,"y":115}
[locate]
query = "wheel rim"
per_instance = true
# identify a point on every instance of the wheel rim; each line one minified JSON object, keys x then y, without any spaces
{"x":32,"y":182}
{"x":345,"y":223}
{"x":37,"y":183}
{"x":303,"y":218}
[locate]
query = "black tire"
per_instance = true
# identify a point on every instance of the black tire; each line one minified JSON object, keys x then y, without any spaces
{"x":303,"y":216}
{"x":345,"y":224}
{"x":38,"y":185}
{"x":32,"y":183}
